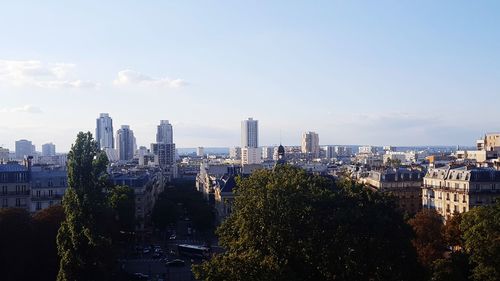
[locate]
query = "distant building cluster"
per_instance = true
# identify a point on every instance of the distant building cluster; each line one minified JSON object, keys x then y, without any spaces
{"x":442,"y":178}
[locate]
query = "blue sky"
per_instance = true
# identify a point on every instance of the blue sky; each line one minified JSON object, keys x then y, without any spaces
{"x":356,"y":72}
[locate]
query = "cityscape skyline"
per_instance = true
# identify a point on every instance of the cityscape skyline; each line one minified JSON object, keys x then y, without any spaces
{"x":377,"y":73}
{"x":298,"y":141}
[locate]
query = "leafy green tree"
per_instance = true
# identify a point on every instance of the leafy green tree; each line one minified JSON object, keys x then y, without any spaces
{"x":16,"y":244}
{"x":454,"y":268}
{"x":122,"y":201}
{"x":46,"y":224}
{"x":428,"y":225}
{"x":83,"y":241}
{"x":165,"y":212}
{"x":290,"y":225}
{"x":452,"y":235}
{"x":481,"y":234}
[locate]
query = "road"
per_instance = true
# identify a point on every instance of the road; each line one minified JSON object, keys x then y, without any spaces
{"x":156,"y":269}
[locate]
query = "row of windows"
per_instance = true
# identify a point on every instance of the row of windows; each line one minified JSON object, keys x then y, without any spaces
{"x":18,"y":189}
{"x":476,"y":186}
{"x":19,"y":202}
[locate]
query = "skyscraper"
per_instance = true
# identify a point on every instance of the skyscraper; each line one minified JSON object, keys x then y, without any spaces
{"x":48,"y":149}
{"x":250,"y":151}
{"x":24,"y":148}
{"x":250,"y":133}
{"x":164,"y":148}
{"x":125,"y":142}
{"x":104,"y":131}
{"x":310,"y":144}
{"x":164,"y":133}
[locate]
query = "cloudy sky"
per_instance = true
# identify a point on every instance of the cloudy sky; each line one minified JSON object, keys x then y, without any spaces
{"x":356,"y":72}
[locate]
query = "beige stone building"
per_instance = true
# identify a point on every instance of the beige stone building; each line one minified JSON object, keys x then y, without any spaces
{"x":449,"y":190}
{"x":403,"y":183}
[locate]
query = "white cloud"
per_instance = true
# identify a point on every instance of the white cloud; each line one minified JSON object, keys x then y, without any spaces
{"x":131,"y":77}
{"x":26,"y":109}
{"x":38,"y":74}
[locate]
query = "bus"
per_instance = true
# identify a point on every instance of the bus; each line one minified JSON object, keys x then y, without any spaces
{"x":193,"y":251}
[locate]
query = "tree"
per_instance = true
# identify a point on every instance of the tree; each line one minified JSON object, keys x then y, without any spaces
{"x":46,"y":224}
{"x":428,"y":225}
{"x":83,"y":241}
{"x":452,"y":235}
{"x":290,"y":225}
{"x":454,"y":268}
{"x":481,"y":234}
{"x":16,"y":241}
{"x":122,"y":201}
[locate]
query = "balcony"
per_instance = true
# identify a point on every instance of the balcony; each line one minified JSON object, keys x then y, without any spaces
{"x":15,"y":193}
{"x":47,"y":197}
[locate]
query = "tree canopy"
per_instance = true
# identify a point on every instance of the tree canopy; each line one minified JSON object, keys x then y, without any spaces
{"x":428,"y":227}
{"x":83,"y":240}
{"x":481,"y":234}
{"x":290,"y":225}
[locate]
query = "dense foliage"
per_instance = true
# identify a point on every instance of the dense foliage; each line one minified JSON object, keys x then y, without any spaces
{"x":428,"y":228}
{"x":289,"y":225}
{"x":83,"y":241}
{"x":481,"y":234}
{"x":28,"y":244}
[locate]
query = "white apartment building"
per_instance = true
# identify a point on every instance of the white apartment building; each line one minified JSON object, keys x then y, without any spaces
{"x":310,"y":144}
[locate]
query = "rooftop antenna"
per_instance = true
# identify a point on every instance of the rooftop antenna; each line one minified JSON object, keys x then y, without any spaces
{"x":280,"y":136}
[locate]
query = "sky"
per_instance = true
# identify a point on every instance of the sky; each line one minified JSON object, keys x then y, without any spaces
{"x":356,"y":72}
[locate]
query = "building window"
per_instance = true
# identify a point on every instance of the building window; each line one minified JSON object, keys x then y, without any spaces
{"x":18,"y":202}
{"x":4,"y":190}
{"x":38,"y":206}
{"x":51,"y":203}
{"x":447,"y":196}
{"x":455,"y":197}
{"x":5,"y":203}
{"x":50,"y":192}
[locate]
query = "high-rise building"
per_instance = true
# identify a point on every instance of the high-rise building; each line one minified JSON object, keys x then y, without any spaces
{"x":48,"y":149}
{"x":164,"y":149}
{"x":164,"y":133}
{"x":250,"y":133}
{"x":267,"y":152}
{"x":125,"y":142}
{"x":330,"y":152}
{"x":24,"y":148}
{"x":164,"y":154}
{"x":251,"y":155}
{"x":250,"y":151}
{"x":310,"y":144}
{"x":4,"y":155}
{"x":104,"y":131}
{"x":200,"y":151}
{"x":235,"y":153}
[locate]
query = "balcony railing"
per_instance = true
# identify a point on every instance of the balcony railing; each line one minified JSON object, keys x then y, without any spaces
{"x":10,"y":193}
{"x":46,"y":197}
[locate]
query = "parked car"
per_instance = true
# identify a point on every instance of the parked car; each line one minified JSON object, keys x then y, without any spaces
{"x":140,"y":276}
{"x":173,"y":237}
{"x":176,"y":262}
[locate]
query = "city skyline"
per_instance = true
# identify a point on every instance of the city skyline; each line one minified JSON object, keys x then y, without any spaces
{"x":357,"y":73}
